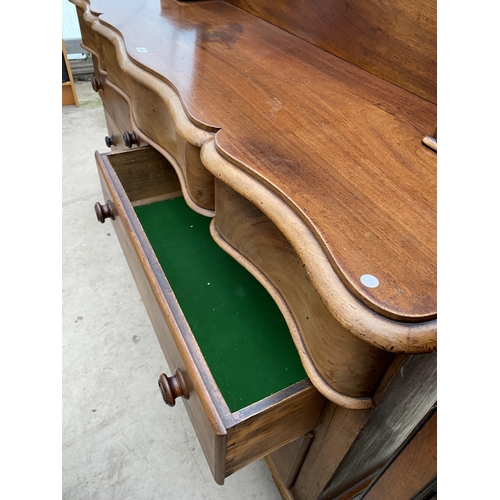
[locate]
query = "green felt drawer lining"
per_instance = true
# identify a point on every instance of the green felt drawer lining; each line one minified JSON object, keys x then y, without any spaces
{"x":239,"y":328}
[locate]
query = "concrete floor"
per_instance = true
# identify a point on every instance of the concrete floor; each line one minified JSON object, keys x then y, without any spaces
{"x":120,"y":441}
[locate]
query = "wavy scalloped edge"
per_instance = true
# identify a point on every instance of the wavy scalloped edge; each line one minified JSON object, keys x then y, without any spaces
{"x":361,"y":321}
{"x":381,"y":332}
{"x":180,"y":173}
{"x":182,"y":124}
{"x":353,"y":403}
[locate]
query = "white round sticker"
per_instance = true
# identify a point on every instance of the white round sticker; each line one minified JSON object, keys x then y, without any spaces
{"x":369,"y":280}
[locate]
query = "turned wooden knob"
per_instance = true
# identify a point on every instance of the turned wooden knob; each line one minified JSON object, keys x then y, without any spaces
{"x":96,"y":84}
{"x":130,"y":138}
{"x":173,"y":387}
{"x":104,"y":211}
{"x":110,"y":141}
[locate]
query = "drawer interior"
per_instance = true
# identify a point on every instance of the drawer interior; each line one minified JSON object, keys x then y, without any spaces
{"x":240,"y":330}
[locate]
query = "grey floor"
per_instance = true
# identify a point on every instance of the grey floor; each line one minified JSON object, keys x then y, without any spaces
{"x":120,"y":441}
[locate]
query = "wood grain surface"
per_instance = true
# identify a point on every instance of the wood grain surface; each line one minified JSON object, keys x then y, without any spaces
{"x":274,"y":425}
{"x":412,"y":470}
{"x":393,"y":39}
{"x":406,"y":402}
{"x":285,"y":463}
{"x":340,"y":146}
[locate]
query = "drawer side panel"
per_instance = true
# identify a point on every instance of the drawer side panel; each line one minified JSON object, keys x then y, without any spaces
{"x":205,"y":419}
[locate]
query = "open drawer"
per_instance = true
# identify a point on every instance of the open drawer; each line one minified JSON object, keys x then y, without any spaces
{"x":229,"y":350}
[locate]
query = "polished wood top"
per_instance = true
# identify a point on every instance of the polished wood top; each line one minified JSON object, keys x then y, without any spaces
{"x":393,"y":39}
{"x":341,"y":147}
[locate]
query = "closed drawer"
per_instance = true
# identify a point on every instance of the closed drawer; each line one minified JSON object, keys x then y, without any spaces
{"x":231,"y":357}
{"x":121,"y":134}
{"x":116,"y":111}
{"x":153,"y":110}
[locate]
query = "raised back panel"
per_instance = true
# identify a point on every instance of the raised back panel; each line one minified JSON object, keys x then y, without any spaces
{"x":393,"y":39}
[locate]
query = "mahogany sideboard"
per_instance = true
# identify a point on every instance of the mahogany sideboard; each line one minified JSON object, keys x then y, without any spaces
{"x":270,"y":173}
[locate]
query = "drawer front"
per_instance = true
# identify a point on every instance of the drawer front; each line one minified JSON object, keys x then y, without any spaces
{"x":233,"y":438}
{"x":116,"y":111}
{"x":206,"y":421}
{"x":121,"y":134}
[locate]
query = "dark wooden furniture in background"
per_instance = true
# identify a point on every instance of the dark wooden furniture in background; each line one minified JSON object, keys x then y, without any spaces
{"x":293,"y":134}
